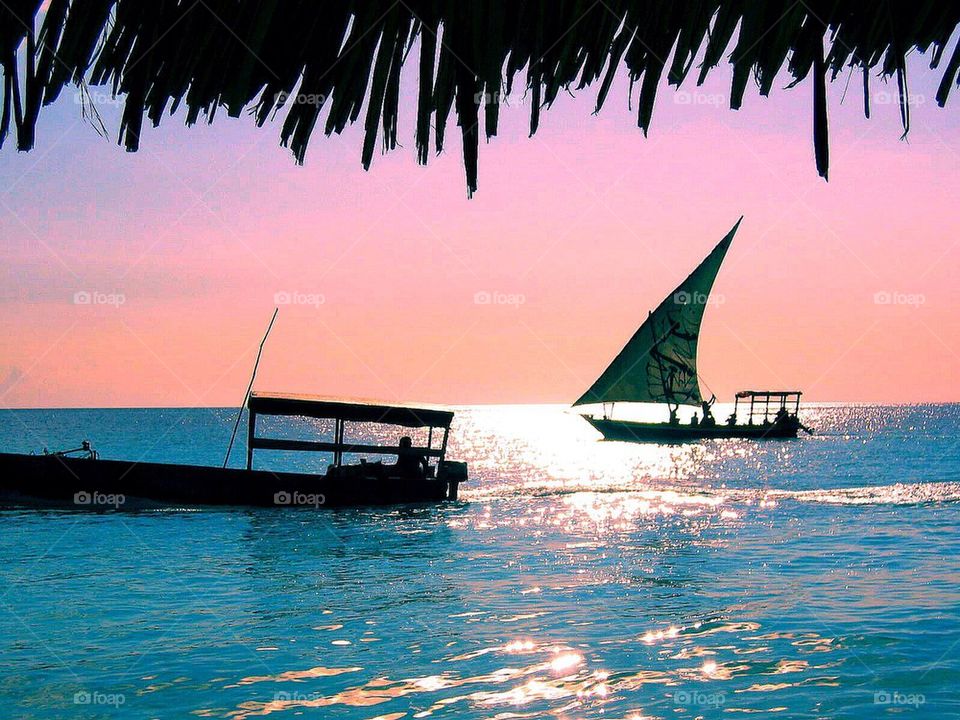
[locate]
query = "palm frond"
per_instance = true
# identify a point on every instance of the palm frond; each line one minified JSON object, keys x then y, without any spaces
{"x":301,"y":57}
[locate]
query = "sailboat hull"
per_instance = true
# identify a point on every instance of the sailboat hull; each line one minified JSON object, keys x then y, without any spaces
{"x":630,"y":431}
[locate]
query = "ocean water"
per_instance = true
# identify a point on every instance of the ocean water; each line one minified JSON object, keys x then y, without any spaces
{"x":817,"y":578}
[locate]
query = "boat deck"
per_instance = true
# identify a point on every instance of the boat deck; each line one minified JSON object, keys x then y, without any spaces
{"x":87,"y":484}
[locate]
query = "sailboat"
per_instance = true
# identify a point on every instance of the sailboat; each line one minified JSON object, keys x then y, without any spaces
{"x":659,"y":365}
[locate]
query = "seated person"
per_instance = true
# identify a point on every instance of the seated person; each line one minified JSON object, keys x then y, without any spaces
{"x":409,"y":463}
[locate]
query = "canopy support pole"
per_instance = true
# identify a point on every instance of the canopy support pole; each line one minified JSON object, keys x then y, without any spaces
{"x":338,"y":439}
{"x":251,"y":434}
{"x":443,"y":446}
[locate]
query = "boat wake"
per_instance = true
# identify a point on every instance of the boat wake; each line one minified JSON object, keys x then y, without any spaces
{"x":918,"y":493}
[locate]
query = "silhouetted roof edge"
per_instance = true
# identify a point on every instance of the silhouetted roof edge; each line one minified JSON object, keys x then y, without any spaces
{"x":345,"y":57}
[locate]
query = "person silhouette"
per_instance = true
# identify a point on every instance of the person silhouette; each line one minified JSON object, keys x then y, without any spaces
{"x":708,"y":418}
{"x":409,"y":462}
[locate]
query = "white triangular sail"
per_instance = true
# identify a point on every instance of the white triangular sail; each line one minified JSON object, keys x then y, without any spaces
{"x":659,"y":363}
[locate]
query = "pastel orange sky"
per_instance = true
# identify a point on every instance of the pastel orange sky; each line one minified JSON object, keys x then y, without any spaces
{"x":845,"y":289}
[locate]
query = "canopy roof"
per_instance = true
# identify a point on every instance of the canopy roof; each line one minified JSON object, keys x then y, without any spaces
{"x":768,"y":393}
{"x":314,"y":406}
{"x":344,"y":58}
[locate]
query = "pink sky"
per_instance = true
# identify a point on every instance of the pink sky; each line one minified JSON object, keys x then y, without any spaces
{"x":579,"y":230}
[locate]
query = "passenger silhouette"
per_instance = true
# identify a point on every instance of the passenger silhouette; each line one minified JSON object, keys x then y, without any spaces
{"x":708,"y":418}
{"x":409,"y":462}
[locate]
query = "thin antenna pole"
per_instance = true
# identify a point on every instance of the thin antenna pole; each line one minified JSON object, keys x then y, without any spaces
{"x":250,"y":386}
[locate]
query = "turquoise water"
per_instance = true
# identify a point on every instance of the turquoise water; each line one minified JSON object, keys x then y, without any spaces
{"x":817,"y":578}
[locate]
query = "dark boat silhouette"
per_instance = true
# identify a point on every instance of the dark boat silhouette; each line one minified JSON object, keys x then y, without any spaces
{"x":81,"y":479}
{"x":659,"y":365}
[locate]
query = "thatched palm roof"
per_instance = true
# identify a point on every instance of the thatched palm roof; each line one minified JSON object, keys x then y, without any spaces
{"x":309,"y":59}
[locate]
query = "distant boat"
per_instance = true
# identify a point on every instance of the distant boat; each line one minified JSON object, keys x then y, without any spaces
{"x":659,"y":365}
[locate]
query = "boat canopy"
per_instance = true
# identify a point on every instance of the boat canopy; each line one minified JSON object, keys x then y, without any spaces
{"x":342,"y":412}
{"x":659,"y":363}
{"x":772,"y":394}
{"x":767,"y":401}
{"x":314,"y":406}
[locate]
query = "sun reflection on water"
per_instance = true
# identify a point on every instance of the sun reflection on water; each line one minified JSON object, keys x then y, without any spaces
{"x":561,"y":452}
{"x":551,"y":679}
